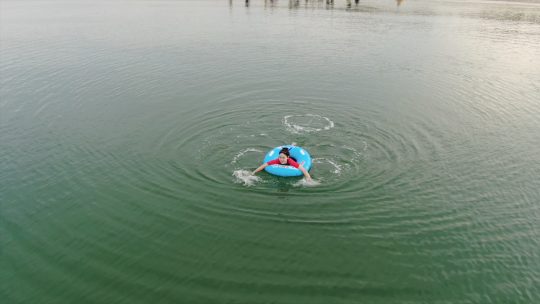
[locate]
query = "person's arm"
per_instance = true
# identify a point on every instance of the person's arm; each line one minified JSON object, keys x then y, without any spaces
{"x":306,"y":174}
{"x":261,"y":167}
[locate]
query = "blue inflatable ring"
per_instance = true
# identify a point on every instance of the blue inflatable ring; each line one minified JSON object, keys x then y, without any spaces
{"x":300,"y":154}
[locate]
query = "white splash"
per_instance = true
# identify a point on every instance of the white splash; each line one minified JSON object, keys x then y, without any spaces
{"x":305,"y":183}
{"x":241,"y":153}
{"x":314,"y":123}
{"x":337,"y":167}
{"x":245,"y":177}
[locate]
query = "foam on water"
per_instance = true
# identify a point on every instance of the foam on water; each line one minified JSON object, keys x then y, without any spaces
{"x":305,"y":183}
{"x":307,"y":123}
{"x":241,"y":153}
{"x":337,"y":167}
{"x":245,"y":177}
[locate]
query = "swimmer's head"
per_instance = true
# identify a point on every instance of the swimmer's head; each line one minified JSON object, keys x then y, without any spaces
{"x":283,"y":155}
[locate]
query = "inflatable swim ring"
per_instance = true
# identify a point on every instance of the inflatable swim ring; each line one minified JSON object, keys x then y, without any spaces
{"x":300,"y":154}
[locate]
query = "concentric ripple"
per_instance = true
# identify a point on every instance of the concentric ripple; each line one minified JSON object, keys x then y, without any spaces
{"x":307,"y":123}
{"x":126,"y":154}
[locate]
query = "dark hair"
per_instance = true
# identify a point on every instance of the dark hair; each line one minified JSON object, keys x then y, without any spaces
{"x":285,"y":151}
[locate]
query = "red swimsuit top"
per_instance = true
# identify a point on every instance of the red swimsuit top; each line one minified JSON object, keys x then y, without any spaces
{"x":290,"y":162}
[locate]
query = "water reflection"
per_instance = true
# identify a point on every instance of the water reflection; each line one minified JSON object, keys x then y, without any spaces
{"x":522,"y":13}
{"x":346,"y":5}
{"x":295,"y":4}
{"x":270,"y":3}
{"x":349,"y":3}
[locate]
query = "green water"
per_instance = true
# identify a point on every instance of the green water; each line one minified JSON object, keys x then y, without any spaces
{"x":127,"y":129}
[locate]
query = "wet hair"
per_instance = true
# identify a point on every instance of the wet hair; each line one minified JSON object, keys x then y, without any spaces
{"x":285,"y":151}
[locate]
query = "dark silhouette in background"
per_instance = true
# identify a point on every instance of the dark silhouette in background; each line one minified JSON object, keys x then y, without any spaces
{"x":307,"y":3}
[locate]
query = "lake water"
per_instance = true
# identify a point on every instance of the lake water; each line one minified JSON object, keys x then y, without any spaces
{"x":128,"y":127}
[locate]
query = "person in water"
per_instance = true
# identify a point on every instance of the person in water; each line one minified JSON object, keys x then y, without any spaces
{"x":285,"y":159}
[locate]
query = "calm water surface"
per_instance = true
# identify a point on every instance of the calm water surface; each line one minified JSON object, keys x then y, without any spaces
{"x":127,"y":129}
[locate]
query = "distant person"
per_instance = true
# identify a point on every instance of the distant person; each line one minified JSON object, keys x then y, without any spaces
{"x":286,"y":160}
